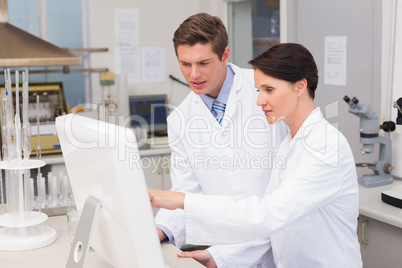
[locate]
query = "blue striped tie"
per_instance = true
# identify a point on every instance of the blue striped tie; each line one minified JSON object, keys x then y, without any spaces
{"x":219,"y":108}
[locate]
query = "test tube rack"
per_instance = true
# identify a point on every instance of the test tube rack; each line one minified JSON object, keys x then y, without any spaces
{"x":22,"y":231}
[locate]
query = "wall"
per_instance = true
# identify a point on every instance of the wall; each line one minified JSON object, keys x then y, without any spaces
{"x":379,"y":88}
{"x":158,"y":21}
{"x":309,"y":22}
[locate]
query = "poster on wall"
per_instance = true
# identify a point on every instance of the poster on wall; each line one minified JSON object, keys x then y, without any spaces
{"x":127,"y":40}
{"x":153,"y":65}
{"x":335,"y":60}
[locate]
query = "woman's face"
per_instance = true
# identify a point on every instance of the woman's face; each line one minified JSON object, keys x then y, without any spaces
{"x":277,"y":98}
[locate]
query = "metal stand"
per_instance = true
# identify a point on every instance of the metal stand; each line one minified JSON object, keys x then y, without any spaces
{"x":80,"y":247}
{"x":382,"y":168}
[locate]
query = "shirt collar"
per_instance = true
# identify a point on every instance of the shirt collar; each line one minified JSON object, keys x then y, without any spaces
{"x":225,"y":90}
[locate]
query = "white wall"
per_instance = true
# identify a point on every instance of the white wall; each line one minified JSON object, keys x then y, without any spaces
{"x":158,"y":21}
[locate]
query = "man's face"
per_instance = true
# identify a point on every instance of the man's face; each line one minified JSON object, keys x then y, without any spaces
{"x":202,"y":69}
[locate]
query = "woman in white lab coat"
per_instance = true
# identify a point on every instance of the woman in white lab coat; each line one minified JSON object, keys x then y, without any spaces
{"x":310,"y":208}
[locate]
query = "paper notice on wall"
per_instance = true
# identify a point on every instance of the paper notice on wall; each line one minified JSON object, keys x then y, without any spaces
{"x":153,"y":64}
{"x":128,"y":63}
{"x":127,"y":27}
{"x":335,"y":60}
{"x":127,"y":40}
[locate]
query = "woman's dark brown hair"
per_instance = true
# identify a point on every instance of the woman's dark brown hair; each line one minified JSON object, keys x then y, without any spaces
{"x":289,"y":62}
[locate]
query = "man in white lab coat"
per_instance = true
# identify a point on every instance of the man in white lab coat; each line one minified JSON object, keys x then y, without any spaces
{"x":227,"y":151}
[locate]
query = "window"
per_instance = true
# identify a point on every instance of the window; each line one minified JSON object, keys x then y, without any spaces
{"x":63,"y":29}
{"x":253,"y":28}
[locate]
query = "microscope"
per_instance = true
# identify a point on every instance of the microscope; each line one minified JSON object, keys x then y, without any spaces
{"x":369,"y":136}
{"x":393,"y":196}
{"x":398,"y":106}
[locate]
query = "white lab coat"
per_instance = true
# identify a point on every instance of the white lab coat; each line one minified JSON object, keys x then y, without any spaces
{"x":233,"y":159}
{"x":310,"y":210}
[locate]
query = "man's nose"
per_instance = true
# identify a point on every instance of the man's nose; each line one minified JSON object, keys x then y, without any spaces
{"x":195,"y":72}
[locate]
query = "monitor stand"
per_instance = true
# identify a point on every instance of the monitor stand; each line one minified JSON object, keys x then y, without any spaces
{"x":80,"y":247}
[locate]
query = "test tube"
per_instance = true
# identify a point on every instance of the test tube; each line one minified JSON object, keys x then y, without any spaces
{"x":53,"y":190}
{"x":32,"y":190}
{"x":42,"y":192}
{"x":26,"y":145}
{"x":65,"y":190}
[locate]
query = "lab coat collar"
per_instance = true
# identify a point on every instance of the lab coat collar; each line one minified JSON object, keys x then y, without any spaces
{"x":308,"y":125}
{"x":238,"y":84}
{"x":231,"y":105}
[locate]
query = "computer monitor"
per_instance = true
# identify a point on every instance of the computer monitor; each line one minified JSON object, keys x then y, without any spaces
{"x":151,"y":109}
{"x":102,"y":164}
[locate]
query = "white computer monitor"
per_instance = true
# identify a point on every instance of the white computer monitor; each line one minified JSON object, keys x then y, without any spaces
{"x":102,"y":162}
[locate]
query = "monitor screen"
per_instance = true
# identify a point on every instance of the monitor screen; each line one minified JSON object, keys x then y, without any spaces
{"x":150,"y":111}
{"x":102,"y":162}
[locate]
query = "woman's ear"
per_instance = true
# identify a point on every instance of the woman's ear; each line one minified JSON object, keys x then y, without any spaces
{"x":301,"y":86}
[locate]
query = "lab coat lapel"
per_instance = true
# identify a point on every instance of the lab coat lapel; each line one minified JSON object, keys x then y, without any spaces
{"x":232,"y":103}
{"x":199,"y":108}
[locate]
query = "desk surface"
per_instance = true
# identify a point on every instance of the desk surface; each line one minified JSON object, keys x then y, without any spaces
{"x":56,"y":254}
{"x":371,"y":205}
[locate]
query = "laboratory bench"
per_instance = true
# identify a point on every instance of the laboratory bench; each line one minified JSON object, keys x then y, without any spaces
{"x":56,"y":254}
{"x":379,"y":229}
{"x":156,"y":170}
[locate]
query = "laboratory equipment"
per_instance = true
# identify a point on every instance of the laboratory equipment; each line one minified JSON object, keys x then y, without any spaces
{"x":398,"y":106}
{"x":150,"y":112}
{"x":109,"y":95}
{"x":52,"y":104}
{"x":23,"y":231}
{"x":393,"y":196}
{"x":110,"y":193}
{"x":369,"y":136}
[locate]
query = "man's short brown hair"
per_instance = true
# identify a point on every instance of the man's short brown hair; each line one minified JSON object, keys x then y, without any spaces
{"x":202,"y":28}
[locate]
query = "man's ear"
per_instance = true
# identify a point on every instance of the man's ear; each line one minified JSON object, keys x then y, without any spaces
{"x":226,"y":55}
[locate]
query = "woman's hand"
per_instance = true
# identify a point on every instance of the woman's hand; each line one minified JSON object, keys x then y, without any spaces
{"x":202,"y":256}
{"x":166,"y":199}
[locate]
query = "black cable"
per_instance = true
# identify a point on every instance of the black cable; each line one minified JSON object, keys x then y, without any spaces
{"x":178,"y":80}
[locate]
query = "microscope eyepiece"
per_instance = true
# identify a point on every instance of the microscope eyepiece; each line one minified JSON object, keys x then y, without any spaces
{"x":355,"y":100}
{"x":346,"y":99}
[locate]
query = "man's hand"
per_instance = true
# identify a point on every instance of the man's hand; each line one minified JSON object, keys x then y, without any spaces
{"x":161,"y":234}
{"x":166,"y":199}
{"x":202,"y":256}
